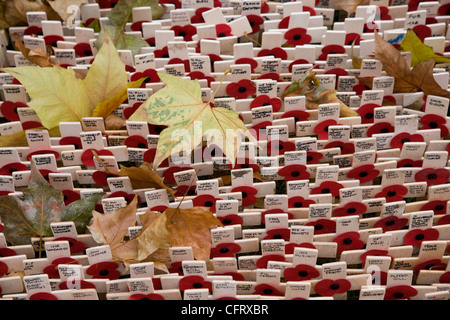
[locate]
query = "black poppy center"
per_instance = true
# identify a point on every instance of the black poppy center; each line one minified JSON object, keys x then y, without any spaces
{"x":326,"y":190}
{"x":351,"y":210}
{"x":318,"y":227}
{"x":145,"y":298}
{"x":297,"y":37}
{"x":390,"y":222}
{"x":252,"y":23}
{"x":245,"y":165}
{"x":298,"y":204}
{"x":65,"y":198}
{"x":432,"y":176}
{"x":147,"y":80}
{"x":433,"y":124}
{"x":439,"y":207}
{"x":334,"y":286}
{"x":363,"y":174}
{"x":209,"y":204}
{"x":182,"y":33}
{"x":141,"y":145}
{"x":391,"y":193}
{"x":87,"y":52}
{"x":405,"y":140}
{"x":12,"y":170}
{"x":384,"y":130}
{"x":266,"y":104}
{"x":224,"y":250}
{"x":104,"y":272}
{"x":278,"y":236}
{"x":280,"y":147}
{"x":242,"y":89}
{"x":398,"y":295}
{"x":303,"y":273}
{"x":420,"y":237}
{"x":244,"y":194}
{"x":226,"y":221}
{"x":429,"y":266}
{"x":222,"y":34}
{"x":165,"y":55}
{"x":158,"y":129}
{"x":295,"y":173}
{"x":369,"y":115}
{"x":197,"y":285}
{"x":191,"y":192}
{"x":347,"y":241}
{"x":267,"y":291}
{"x":309,"y":158}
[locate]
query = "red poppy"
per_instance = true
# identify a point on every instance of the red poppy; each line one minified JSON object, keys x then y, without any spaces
{"x":245,"y":164}
{"x":434,"y":121}
{"x":8,"y":169}
{"x":156,"y":128}
{"x":276,"y":52}
{"x":137,"y":25}
{"x":337,"y":71}
{"x":52,"y":269}
{"x":231,"y":219}
{"x":367,"y":112}
{"x":289,"y":248}
{"x":272,"y":211}
{"x":444,"y":220}
{"x":258,"y":130}
{"x":76,"y":246}
{"x":248,"y":195}
{"x":150,"y":296}
{"x":399,"y":139}
{"x":264,"y":7}
{"x":206,"y":200}
{"x":159,"y":208}
{"x":332,"y":187}
{"x":374,"y":252}
{"x":161,"y":53}
{"x":128,"y":196}
{"x":321,"y":128}
{"x":105,"y":4}
{"x":267,"y":290}
{"x":348,"y":241}
{"x":76,"y":285}
{"x":433,"y":264}
{"x":391,"y":223}
{"x":301,"y":272}
{"x":331,"y":49}
{"x":363,"y":173}
{"x":200,"y":75}
{"x":350,"y":209}
{"x":407,"y":163}
{"x":359,"y":88}
{"x":284,"y":23}
{"x":7,"y":252}
{"x":252,"y":62}
{"x":432,"y":176}
{"x":168,"y":173}
{"x":194,"y":282}
{"x":9,"y":110}
{"x":264,"y":100}
{"x":101,"y":177}
{"x":31,"y":125}
{"x":33,"y":30}
{"x":128,"y":112}
{"x":52,"y":40}
{"x":294,"y":172}
{"x":185,"y":62}
{"x":150,"y":75}
{"x":444,"y":10}
{"x":3,"y":268}
{"x":298,"y":115}
{"x":346,"y":147}
{"x":177,"y":3}
{"x":2,"y":227}
{"x":445,"y":278}
{"x":70,"y":140}
{"x":393,"y":193}
{"x":262,"y":262}
{"x":83,"y":49}
{"x":402,"y":292}
{"x":176,"y":267}
{"x":44,"y":173}
{"x":352,"y":37}
{"x":384,"y":13}
{"x":241,"y":89}
{"x":151,"y":41}
{"x":422,"y":31}
{"x":186,"y":31}
{"x":136,"y":141}
{"x":43,"y":296}
{"x":104,"y":270}
{"x":40,"y":152}
{"x":223,"y":30}
{"x":225,"y":250}
{"x":255,"y":22}
{"x":313,"y":157}
{"x":87,"y":157}
{"x":297,"y":61}
{"x":198,"y":16}
{"x":279,"y":147}
{"x":297,"y":37}
{"x":281,"y":233}
{"x":70,"y":196}
{"x":328,"y":287}
{"x":299,"y":202}
{"x":415,"y":237}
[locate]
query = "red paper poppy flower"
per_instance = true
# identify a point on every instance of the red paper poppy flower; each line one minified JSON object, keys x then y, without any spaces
{"x":359,"y":88}
{"x":294,"y":172}
{"x":399,"y":139}
{"x":391,"y":223}
{"x":44,"y":173}
{"x":367,"y":112}
{"x":264,"y":7}
{"x":9,"y":110}
{"x":299,"y":202}
{"x":176,"y":267}
{"x":259,"y":130}
{"x":276,"y":52}
{"x":350,"y":209}
{"x":186,"y":190}
{"x":374,"y":252}
{"x":150,"y":75}
{"x":255,"y":22}
{"x":433,"y":264}
{"x":76,"y":246}
{"x":105,"y":4}
{"x":198,"y":16}
{"x":230,"y":219}
{"x":2,"y":227}
{"x":70,"y":140}
{"x":328,"y":287}
{"x":213,"y":58}
{"x":264,"y":100}
{"x":223,"y":30}
{"x":162,"y":53}
{"x":7,"y":252}
{"x":432,"y":176}
{"x":252,"y":62}
{"x":40,"y":152}
{"x":83,"y":49}
{"x":76,"y":285}
{"x":136,"y":141}
{"x":445,"y":278}
{"x":156,"y":128}
{"x":289,"y":248}
{"x":31,"y":125}
{"x":321,"y":129}
{"x":267,"y":290}
{"x":281,"y":233}
{"x":151,"y":41}
{"x":8,"y":169}
{"x":363,"y":173}
{"x":33,"y":30}
{"x":104,"y":270}
{"x":313,"y":157}
{"x":402,"y":292}
{"x":248,"y":195}
{"x":384,"y":13}
{"x":194,"y":282}
{"x":348,"y":241}
{"x":52,"y":269}
{"x":200,"y":75}
{"x":415,"y":237}
{"x":352,"y":37}
{"x":444,"y":10}
{"x":297,"y":37}
{"x":407,"y":163}
{"x":128,"y":112}
{"x":150,"y":296}
{"x":137,"y":25}
{"x":70,"y":196}
{"x":177,"y":3}
{"x":422,"y":31}
{"x":52,"y":40}
{"x":87,"y":157}
{"x":298,"y":115}
{"x":101,"y":177}
{"x":297,"y":61}
{"x":186,"y":31}
{"x":43,"y":296}
{"x":346,"y":147}
{"x":337,"y":71}
{"x":284,"y":23}
{"x":331,"y":49}
{"x":225,"y":250}
{"x":262,"y":262}
{"x":301,"y":272}
{"x":168,"y":173}
{"x":393,"y":193}
{"x":279,"y":147}
{"x":434,"y":121}
{"x":444,"y":220}
{"x":245,"y":164}
{"x":332,"y":187}
{"x":185,"y":62}
{"x":272,"y":211}
{"x":128,"y":196}
{"x":206,"y":200}
{"x":3,"y":268}
{"x":241,"y":89}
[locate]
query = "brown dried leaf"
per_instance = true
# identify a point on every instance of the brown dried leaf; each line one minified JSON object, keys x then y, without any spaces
{"x":36,"y":56}
{"x":114,"y":122}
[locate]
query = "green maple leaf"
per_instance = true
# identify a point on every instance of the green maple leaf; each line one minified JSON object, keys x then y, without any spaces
{"x":179,"y":106}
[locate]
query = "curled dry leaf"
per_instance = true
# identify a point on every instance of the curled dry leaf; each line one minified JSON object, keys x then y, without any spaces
{"x":36,"y":56}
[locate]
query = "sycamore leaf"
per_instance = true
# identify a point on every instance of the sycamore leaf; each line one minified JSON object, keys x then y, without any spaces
{"x":15,"y":11}
{"x":179,"y":106}
{"x":19,"y":139}
{"x":419,"y":51}
{"x":122,"y":11}
{"x":120,"y":39}
{"x":63,"y":7}
{"x":420,"y":78}
{"x":350,"y":5}
{"x":153,"y":237}
{"x":57,"y":95}
{"x":41,"y":205}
